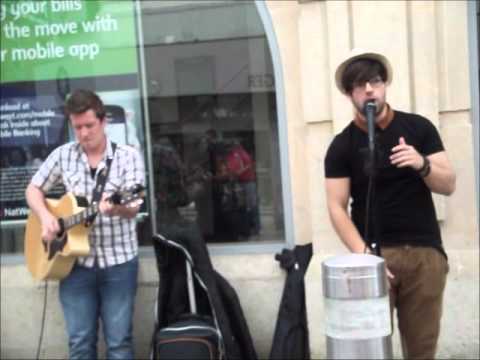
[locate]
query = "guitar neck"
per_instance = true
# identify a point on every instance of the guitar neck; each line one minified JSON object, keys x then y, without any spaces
{"x":118,"y":198}
{"x":81,"y":217}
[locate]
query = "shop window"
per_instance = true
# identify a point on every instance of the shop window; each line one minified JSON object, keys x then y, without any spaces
{"x":48,"y":49}
{"x":189,"y":83}
{"x":213,"y":123}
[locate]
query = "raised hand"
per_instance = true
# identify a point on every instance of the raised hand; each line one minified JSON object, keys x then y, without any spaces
{"x":404,"y":155}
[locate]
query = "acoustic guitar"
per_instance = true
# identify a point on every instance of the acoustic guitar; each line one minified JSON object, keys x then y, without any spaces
{"x":55,"y":260}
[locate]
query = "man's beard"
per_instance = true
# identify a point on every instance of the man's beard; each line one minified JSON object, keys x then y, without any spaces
{"x":380,"y":105}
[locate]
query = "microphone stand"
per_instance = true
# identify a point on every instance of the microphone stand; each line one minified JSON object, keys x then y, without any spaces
{"x":370,"y":113}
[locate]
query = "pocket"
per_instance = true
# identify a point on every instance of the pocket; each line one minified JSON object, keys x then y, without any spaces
{"x":434,"y":259}
{"x":446,"y":265}
{"x":439,"y":260}
{"x":434,"y":272}
{"x":71,"y":180}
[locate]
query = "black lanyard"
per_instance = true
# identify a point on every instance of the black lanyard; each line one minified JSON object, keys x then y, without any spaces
{"x":100,"y":186}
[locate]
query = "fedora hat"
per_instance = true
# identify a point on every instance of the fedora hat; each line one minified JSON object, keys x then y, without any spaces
{"x":357,"y":54}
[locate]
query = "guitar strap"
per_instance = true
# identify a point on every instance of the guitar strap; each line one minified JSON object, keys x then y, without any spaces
{"x":100,"y":186}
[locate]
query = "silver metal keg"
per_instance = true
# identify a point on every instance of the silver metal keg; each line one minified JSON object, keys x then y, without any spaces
{"x":357,"y":307}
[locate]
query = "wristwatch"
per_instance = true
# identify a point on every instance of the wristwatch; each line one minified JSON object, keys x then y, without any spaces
{"x":425,"y":169}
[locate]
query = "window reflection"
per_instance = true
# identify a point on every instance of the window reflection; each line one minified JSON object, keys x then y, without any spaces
{"x":213,"y":122}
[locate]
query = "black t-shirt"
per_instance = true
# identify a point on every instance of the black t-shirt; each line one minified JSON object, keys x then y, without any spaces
{"x":405,"y":213}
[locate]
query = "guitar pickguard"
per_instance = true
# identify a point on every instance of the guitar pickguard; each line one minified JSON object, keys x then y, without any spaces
{"x":56,"y":246}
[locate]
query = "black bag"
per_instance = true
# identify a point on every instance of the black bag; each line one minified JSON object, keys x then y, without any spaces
{"x":191,"y":337}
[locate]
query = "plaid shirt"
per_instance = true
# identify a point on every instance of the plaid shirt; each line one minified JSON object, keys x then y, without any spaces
{"x":113,"y":240}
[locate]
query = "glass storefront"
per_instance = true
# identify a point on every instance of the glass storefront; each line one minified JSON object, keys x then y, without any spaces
{"x":191,"y":84}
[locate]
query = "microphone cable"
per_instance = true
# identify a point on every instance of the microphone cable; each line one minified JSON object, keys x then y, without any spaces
{"x":42,"y":326}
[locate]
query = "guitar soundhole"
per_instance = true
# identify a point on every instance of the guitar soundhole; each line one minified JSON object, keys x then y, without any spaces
{"x":57,"y":245}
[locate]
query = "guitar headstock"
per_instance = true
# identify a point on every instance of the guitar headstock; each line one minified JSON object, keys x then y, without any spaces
{"x":131,"y":197}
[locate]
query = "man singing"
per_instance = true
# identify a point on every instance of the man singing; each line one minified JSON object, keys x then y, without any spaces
{"x":410,"y":164}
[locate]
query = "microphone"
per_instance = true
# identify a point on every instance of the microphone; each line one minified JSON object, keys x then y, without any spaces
{"x":369,"y":110}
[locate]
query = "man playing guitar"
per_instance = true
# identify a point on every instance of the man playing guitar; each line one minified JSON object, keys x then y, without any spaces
{"x":102,"y":284}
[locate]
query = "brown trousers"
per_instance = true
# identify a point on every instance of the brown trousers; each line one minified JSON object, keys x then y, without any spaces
{"x":417,"y":294}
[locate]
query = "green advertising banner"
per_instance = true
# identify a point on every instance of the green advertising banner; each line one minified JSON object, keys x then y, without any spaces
{"x":56,"y":39}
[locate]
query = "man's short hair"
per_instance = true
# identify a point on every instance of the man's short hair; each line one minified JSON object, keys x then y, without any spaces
{"x":83,"y":100}
{"x":360,"y":71}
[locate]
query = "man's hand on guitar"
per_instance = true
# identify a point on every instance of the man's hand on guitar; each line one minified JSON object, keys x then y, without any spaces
{"x":107,"y":207}
{"x":50,"y":227}
{"x":129,"y":210}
